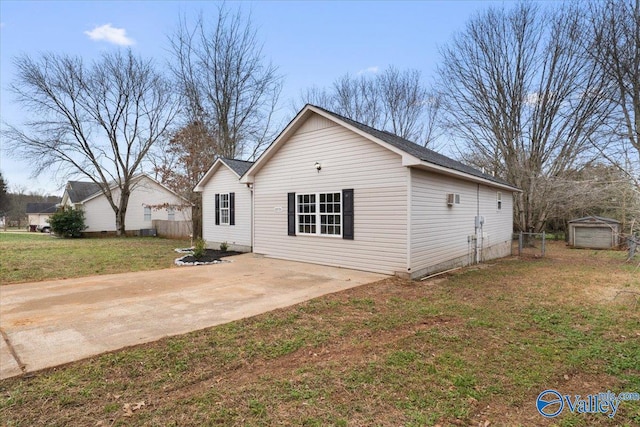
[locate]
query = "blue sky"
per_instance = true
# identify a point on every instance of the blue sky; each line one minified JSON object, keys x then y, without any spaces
{"x":312,"y":42}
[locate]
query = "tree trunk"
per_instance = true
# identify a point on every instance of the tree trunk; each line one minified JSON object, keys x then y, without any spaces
{"x":196,"y":216}
{"x":121,"y":213}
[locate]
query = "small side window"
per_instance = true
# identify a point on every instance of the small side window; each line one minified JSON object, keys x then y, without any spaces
{"x":171,"y":213}
{"x":499,"y":200}
{"x":147,"y":213}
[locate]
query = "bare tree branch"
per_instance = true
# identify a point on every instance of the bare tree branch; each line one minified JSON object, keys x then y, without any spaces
{"x":99,"y":121}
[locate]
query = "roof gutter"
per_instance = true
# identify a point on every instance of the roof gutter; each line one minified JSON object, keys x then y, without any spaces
{"x":414,"y":162}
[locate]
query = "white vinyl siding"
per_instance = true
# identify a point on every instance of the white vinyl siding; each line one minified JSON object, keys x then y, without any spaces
{"x":441,"y":233}
{"x":99,"y":215}
{"x":224,"y":181}
{"x":349,"y":161}
{"x":498,"y":223}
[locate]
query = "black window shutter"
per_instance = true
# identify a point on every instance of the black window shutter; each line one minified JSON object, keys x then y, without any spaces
{"x":347,"y":214}
{"x":217,"y":209}
{"x":291,"y":214}
{"x":232,"y":208}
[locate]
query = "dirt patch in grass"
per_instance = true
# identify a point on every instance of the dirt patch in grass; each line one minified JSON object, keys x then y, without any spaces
{"x":470,"y":348}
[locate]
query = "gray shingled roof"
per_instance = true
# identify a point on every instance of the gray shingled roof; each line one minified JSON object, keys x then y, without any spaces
{"x":238,"y":166}
{"x":80,"y":190}
{"x":41,"y":208}
{"x":422,"y":153}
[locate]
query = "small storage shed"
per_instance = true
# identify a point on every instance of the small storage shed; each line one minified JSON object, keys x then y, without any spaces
{"x":594,"y":232}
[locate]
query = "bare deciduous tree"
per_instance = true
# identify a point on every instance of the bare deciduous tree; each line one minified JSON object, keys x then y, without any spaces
{"x":185,"y":158}
{"x":395,"y":101}
{"x":99,"y":121}
{"x":616,"y":50}
{"x":226,"y":83}
{"x":522,"y":99}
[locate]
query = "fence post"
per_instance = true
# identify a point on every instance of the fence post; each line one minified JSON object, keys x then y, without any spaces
{"x":520,"y":243}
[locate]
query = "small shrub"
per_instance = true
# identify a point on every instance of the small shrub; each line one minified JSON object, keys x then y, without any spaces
{"x":67,"y":222}
{"x":199,"y":248}
{"x":224,"y":246}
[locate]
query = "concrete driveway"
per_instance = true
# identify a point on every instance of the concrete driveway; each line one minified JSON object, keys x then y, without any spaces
{"x":50,"y":323}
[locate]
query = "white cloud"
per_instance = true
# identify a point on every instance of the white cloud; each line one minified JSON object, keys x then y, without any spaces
{"x":374,"y":69}
{"x":110,"y":34}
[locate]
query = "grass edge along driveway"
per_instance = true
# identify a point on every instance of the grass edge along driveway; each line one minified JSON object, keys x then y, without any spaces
{"x":472,"y":348}
{"x":33,"y":257}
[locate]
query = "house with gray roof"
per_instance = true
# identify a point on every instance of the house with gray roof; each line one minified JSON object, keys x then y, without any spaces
{"x":226,"y":205}
{"x":332,"y":191}
{"x":149,"y":201}
{"x":38,"y":214}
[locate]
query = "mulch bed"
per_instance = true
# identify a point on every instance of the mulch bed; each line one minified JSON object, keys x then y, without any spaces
{"x":211,"y":256}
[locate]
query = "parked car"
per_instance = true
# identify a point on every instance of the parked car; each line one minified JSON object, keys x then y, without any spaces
{"x":44,"y":229}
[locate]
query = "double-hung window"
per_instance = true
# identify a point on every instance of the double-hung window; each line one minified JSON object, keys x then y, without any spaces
{"x":224,"y":209}
{"x":147,"y":213}
{"x":319,"y":213}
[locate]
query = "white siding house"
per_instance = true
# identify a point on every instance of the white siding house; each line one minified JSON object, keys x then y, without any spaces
{"x":226,"y":205}
{"x":39,"y":213}
{"x":333,"y":191}
{"x":149,"y":200}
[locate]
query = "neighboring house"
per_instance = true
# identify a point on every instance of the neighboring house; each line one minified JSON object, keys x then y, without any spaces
{"x":39,"y":213}
{"x":333,"y":191}
{"x":594,"y":232}
{"x":149,"y":201}
{"x":226,"y":205}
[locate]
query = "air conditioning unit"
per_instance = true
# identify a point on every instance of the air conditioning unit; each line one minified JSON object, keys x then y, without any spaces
{"x":148,"y":232}
{"x":450,"y":199}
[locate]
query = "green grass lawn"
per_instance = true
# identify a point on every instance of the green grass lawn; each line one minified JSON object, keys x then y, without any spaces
{"x":473,"y":348}
{"x":26,"y":257}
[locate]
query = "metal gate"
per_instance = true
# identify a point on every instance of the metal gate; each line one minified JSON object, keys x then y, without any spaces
{"x":529,"y":244}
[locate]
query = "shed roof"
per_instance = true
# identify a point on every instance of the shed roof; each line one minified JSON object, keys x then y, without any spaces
{"x":81,"y":190}
{"x":592,"y":219}
{"x":41,"y":208}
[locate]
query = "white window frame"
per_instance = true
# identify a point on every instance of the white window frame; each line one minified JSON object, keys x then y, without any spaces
{"x":171,"y":213}
{"x":317,"y":216}
{"x":499,"y":200}
{"x":225,"y":211}
{"x":147,"y":213}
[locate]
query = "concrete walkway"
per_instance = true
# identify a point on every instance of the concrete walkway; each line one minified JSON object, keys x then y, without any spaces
{"x":50,"y":323}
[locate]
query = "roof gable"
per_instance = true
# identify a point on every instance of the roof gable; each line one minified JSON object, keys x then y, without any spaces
{"x":412,"y":153}
{"x":78,"y":191}
{"x":238,"y":167}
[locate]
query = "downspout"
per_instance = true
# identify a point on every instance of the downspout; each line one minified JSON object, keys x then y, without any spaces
{"x":409,"y":236}
{"x":250,"y":187}
{"x":478,"y":226}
